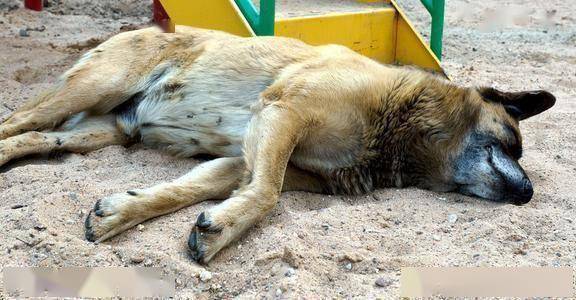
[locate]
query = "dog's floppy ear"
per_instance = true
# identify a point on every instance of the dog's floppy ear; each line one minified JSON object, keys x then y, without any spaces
{"x":520,"y":105}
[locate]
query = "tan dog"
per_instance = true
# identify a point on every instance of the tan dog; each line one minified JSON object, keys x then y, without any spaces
{"x":288,"y":116}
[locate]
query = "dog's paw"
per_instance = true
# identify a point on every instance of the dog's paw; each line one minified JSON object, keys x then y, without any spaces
{"x":209,"y":236}
{"x":113,"y":215}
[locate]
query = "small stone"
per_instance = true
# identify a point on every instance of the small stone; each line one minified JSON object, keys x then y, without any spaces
{"x":147,"y":262}
{"x":383,"y":282}
{"x":73,"y":196}
{"x":326,"y":226}
{"x":205,"y":276}
{"x":348,"y":266}
{"x":520,"y":252}
{"x":140,"y":227}
{"x":39,"y":227}
{"x":290,"y":272}
{"x":452,"y":218}
{"x":474,"y":49}
{"x":23,"y":32}
{"x":69,"y":221}
{"x":136,"y":259}
{"x":278,"y":292}
{"x":17,"y":206}
{"x":40,"y":256}
{"x":40,"y":29}
{"x":419,"y":232}
{"x":436,"y":237}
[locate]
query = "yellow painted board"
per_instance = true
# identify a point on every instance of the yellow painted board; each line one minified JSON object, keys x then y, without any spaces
{"x":210,"y":14}
{"x":411,"y":49}
{"x":371,"y":33}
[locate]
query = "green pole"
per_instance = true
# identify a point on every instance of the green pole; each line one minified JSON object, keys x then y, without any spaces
{"x":436,"y":10}
{"x":267,"y":14}
{"x":437,"y":27}
{"x":261,"y":22}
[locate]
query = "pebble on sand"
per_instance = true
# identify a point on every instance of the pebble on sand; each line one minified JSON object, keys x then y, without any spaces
{"x":348,"y":266}
{"x":23,"y":32}
{"x":205,"y":276}
{"x":136,"y":259}
{"x":40,"y":227}
{"x":383,"y":282}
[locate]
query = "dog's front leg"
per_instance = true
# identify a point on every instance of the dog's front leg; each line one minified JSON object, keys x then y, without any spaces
{"x":271,"y":138}
{"x":215,"y":179}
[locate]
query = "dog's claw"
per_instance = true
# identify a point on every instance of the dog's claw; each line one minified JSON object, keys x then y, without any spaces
{"x":88,"y":232}
{"x":97,"y":211}
{"x":202,"y":222}
{"x":195,"y":252}
{"x":207,"y":238}
{"x":111,"y":216}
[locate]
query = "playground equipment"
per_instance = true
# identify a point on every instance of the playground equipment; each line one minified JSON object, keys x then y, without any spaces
{"x":33,"y":4}
{"x":383,"y":33}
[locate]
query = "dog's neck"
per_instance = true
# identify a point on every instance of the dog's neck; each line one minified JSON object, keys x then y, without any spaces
{"x":417,"y":128}
{"x":410,"y":136}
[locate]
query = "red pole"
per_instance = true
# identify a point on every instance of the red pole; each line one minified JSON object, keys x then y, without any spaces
{"x":160,"y":16}
{"x":33,"y":4}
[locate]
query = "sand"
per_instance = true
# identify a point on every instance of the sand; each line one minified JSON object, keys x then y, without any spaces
{"x":310,"y":245}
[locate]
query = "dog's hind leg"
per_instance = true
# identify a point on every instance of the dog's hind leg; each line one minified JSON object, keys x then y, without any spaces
{"x":97,"y":83}
{"x":89,"y":134}
{"x":215,"y":179}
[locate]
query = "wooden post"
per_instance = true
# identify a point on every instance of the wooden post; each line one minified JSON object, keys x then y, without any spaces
{"x":33,"y":4}
{"x":161,"y":17}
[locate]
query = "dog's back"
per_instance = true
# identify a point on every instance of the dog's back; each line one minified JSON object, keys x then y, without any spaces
{"x":190,"y":92}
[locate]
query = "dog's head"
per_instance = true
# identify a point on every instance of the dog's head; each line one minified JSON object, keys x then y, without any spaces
{"x":486,"y":164}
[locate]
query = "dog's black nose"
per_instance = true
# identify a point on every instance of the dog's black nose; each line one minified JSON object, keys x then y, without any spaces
{"x":522,"y":192}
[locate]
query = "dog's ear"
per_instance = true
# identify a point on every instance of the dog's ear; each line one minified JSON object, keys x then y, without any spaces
{"x":520,"y":105}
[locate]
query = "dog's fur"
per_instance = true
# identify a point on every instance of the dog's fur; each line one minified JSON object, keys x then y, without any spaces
{"x":320,"y":119}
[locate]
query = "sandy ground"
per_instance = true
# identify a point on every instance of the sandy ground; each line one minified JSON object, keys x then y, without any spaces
{"x":310,"y":245}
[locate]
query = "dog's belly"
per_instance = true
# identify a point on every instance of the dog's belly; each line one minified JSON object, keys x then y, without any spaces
{"x":202,"y":127}
{"x":208,"y":113}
